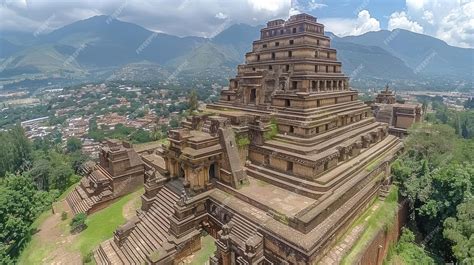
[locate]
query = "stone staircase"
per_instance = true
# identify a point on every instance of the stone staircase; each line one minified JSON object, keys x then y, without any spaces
{"x":148,"y":235}
{"x":242,"y":229}
{"x":206,"y":127}
{"x":79,"y":201}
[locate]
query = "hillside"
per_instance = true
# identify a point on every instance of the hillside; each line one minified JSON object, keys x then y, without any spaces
{"x":97,"y":47}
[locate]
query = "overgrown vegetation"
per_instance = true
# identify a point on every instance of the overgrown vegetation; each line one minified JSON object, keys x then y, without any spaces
{"x":242,"y":141}
{"x":32,"y":175}
{"x":268,"y":135}
{"x":408,"y":252}
{"x":78,"y":223}
{"x":436,"y":176}
{"x":461,"y":121}
{"x":374,"y":221}
{"x":208,"y":247}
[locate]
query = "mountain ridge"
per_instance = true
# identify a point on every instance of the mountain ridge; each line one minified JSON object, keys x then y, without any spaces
{"x":80,"y":48}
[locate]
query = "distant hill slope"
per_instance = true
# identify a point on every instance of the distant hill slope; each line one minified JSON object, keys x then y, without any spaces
{"x":96,"y":45}
{"x":424,"y":54}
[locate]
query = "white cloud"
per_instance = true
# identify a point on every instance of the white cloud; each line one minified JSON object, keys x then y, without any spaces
{"x":458,"y":26}
{"x":365,"y":23}
{"x":313,"y":5}
{"x":449,"y":20}
{"x":221,"y":15}
{"x":293,"y":11}
{"x":344,"y":27}
{"x":178,"y":17}
{"x":269,"y":5}
{"x":416,"y":4}
{"x":428,"y":17}
{"x":400,"y":20}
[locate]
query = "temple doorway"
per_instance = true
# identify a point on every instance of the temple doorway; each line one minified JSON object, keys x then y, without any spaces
{"x":181,"y":173}
{"x":212,"y":171}
{"x":253,"y":96}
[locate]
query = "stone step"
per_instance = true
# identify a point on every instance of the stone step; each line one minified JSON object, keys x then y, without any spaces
{"x":320,"y":114}
{"x":324,"y":136}
{"x":242,"y":228}
{"x":143,"y":239}
{"x":283,"y":184}
{"x":151,"y":232}
{"x":155,"y":228}
{"x":289,"y":178}
{"x":322,"y":146}
{"x":119,"y":253}
{"x":133,"y":249}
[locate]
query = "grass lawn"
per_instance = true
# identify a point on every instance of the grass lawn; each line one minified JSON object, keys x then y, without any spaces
{"x":102,"y":224}
{"x":208,"y":247}
{"x":35,"y":250}
{"x":382,"y":217}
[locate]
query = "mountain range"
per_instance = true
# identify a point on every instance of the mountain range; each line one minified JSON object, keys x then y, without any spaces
{"x":102,"y":48}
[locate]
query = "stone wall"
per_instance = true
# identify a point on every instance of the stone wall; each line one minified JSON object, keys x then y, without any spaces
{"x":377,"y":250}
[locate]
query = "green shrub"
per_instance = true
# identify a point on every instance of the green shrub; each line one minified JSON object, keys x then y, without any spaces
{"x":272,"y":132}
{"x":242,"y":141}
{"x":63,"y":215}
{"x":78,"y":223}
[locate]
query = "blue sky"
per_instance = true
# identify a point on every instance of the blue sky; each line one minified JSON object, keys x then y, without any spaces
{"x":449,"y":20}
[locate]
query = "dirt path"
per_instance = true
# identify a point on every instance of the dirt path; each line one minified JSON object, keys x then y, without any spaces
{"x":130,"y":208}
{"x":53,"y":232}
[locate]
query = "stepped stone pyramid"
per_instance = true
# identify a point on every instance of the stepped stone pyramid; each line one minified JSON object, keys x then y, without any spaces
{"x":275,"y":171}
{"x":120,"y":171}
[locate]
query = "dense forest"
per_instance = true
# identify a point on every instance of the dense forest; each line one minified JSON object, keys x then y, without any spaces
{"x":32,"y":176}
{"x":436,"y":177}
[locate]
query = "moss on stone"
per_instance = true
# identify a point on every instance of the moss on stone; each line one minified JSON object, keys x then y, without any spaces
{"x":268,"y":135}
{"x":381,"y":218}
{"x":242,"y":141}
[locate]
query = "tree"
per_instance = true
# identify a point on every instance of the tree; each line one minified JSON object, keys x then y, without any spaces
{"x":16,"y":151}
{"x":77,"y":160}
{"x":73,"y":144}
{"x":140,"y":136}
{"x":460,"y":230}
{"x":409,"y":251}
{"x":193,"y":103}
{"x":40,"y":173}
{"x":20,"y":204}
{"x":174,"y":123}
{"x":435,"y":174}
{"x":156,"y":134}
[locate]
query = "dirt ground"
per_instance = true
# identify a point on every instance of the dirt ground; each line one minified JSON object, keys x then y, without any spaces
{"x":52,"y":231}
{"x":130,"y":208}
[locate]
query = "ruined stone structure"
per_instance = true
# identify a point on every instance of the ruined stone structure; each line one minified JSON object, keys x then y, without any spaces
{"x":399,"y":116}
{"x":276,"y":171}
{"x":119,"y":171}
